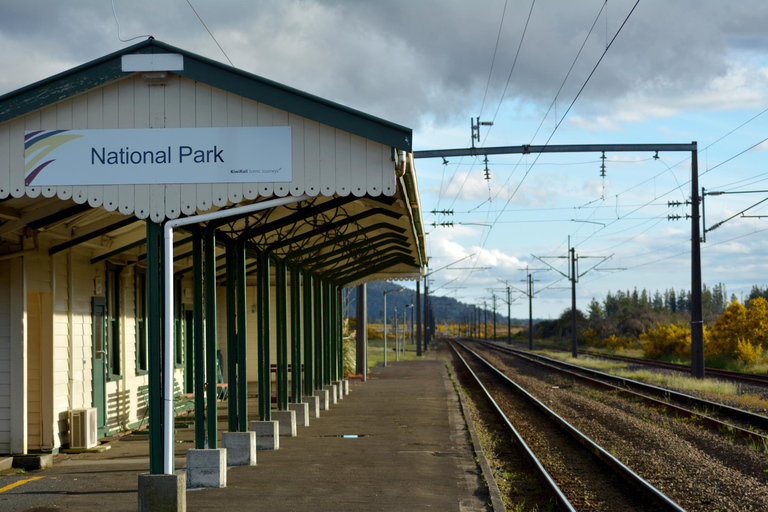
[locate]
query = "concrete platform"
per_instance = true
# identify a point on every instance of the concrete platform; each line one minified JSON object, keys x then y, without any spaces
{"x":413,"y":453}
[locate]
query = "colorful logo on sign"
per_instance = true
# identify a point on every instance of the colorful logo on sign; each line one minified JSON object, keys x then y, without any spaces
{"x":37,"y":146}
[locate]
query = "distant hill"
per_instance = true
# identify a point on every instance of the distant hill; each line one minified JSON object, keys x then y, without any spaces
{"x":446,"y":309}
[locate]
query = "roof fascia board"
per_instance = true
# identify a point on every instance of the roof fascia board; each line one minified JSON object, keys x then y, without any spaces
{"x":295,"y":101}
{"x":67,"y":83}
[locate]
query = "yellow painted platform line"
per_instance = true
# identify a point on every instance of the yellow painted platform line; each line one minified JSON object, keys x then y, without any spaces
{"x":20,"y":482}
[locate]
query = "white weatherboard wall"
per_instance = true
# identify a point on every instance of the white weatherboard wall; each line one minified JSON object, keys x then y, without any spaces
{"x":326,"y":160}
{"x":47,"y":396}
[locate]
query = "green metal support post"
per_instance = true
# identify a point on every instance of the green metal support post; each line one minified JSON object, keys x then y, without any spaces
{"x":318,"y":337}
{"x":333,"y":363}
{"x":242,"y":339}
{"x":340,"y":332}
{"x":281,"y":308}
{"x":199,"y":334}
{"x":231,"y":283}
{"x":309,"y":375}
{"x":296,"y":386}
{"x":326,"y":333}
{"x":265,"y":376}
{"x":154,"y":337}
{"x":210,"y":334}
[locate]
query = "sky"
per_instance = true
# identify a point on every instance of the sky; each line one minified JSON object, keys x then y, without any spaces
{"x":544,"y":72}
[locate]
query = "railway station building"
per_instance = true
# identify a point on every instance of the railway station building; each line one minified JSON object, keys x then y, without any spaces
{"x":167,"y":221}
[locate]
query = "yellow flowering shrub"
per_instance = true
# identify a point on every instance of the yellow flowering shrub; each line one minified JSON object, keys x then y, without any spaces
{"x":617,"y":342}
{"x":589,"y":336}
{"x":747,"y":352}
{"x":666,"y":340}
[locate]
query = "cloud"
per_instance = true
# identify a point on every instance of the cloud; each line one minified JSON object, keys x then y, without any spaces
{"x":599,"y":124}
{"x":449,"y":245}
{"x":502,"y":188}
{"x":427,"y":65}
{"x":415,"y":62}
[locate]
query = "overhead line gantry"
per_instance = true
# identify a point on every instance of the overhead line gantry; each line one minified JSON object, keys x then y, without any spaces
{"x":697,"y":322}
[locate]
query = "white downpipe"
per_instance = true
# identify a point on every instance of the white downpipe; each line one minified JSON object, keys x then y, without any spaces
{"x":168,"y":306}
{"x":71,"y":329}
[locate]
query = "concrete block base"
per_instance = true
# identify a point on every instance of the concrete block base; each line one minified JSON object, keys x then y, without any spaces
{"x":323,"y":396}
{"x":302,"y":414}
{"x":241,"y":448}
{"x":333,"y":395}
{"x":339,"y":388}
{"x":33,"y":462}
{"x":287,"y":422}
{"x":345,"y":382}
{"x":206,"y":468}
{"x":267,"y":434}
{"x":163,"y":493}
{"x":314,"y":405}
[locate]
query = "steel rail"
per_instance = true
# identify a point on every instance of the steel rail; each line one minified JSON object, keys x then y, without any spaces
{"x":549,"y":483}
{"x":755,"y":420}
{"x":755,"y":378}
{"x":658,"y":497}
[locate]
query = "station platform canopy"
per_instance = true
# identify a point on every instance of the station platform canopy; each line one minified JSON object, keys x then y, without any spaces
{"x":360,"y":219}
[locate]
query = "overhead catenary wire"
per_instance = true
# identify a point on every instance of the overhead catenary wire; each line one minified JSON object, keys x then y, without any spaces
{"x":753,"y":146}
{"x":568,"y":74}
{"x":680,"y":186}
{"x":557,"y":94}
{"x":683,"y":253}
{"x":210,"y":33}
{"x":493,"y":59}
{"x":486,"y":91}
{"x":591,"y":74}
{"x":514,"y":63}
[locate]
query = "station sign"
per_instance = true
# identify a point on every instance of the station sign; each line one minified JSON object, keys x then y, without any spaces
{"x":157,"y":156}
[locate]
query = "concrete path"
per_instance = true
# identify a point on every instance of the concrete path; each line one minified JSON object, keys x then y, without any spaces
{"x":412,"y":453}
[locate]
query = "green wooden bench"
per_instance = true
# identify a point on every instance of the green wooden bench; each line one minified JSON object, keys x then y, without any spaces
{"x":183,"y":403}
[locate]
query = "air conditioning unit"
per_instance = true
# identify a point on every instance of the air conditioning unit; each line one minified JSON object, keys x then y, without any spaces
{"x":82,"y":428}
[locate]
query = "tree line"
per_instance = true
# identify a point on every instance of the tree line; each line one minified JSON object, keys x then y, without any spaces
{"x":623,"y":304}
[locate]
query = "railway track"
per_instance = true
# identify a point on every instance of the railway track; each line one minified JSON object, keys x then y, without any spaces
{"x":720,"y":417}
{"x":581,"y":475}
{"x":754,"y":378}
